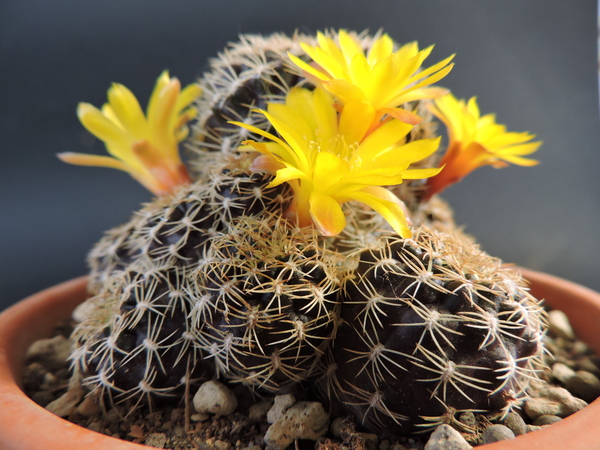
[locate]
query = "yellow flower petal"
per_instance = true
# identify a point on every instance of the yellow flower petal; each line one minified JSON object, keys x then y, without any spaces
{"x":339,"y":163}
{"x":382,"y":77}
{"x":475,"y":141}
{"x":344,"y":90}
{"x":381,"y":49}
{"x":382,"y":139}
{"x":101,"y":126}
{"x":355,"y":120}
{"x":307,"y":67}
{"x":144,"y":146}
{"x":388,"y":205}
{"x":286,"y":174}
{"x":82,"y":159}
{"x":326,"y":214}
{"x":127,"y":110}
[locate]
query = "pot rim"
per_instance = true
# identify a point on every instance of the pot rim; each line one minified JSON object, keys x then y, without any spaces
{"x":20,"y":415}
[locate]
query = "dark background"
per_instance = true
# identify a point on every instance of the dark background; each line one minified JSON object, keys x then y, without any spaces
{"x":533,"y":62}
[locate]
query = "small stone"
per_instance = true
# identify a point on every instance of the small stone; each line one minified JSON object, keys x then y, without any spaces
{"x":496,"y":433}
{"x":516,"y":423}
{"x":468,"y":419}
{"x":65,"y":405}
{"x":554,"y":401}
{"x":581,"y":348}
{"x":584,"y":385}
{"x":303,"y":420}
{"x":221,"y":445}
{"x":546,"y":419}
{"x":199,"y":417}
{"x":385,"y":445}
{"x":536,"y":407}
{"x":157,"y":440}
{"x":215,"y":398}
{"x":399,"y":446}
{"x":445,"y":437}
{"x":136,"y":431}
{"x":588,"y":365}
{"x":43,"y":398}
{"x":559,"y":324}
{"x":280,"y":405}
{"x":562,"y":372}
{"x":370,"y":439}
{"x":89,"y":407}
{"x":258,"y":411}
{"x":531,"y":428}
{"x":53,"y":351}
{"x":336,"y":426}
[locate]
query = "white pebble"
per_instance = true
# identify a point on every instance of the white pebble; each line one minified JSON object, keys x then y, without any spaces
{"x":303,"y":420}
{"x":559,"y":324}
{"x":584,"y":385}
{"x":280,"y":405}
{"x":258,"y":411}
{"x":54,"y":350}
{"x":445,"y":437}
{"x":562,"y":372}
{"x":65,"y":405}
{"x":496,"y":433}
{"x":555,"y":401}
{"x":215,"y":398}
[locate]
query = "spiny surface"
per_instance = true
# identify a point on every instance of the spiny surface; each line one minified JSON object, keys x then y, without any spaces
{"x":431,"y":326}
{"x":270,"y":303}
{"x":137,"y":346}
{"x":174,"y":230}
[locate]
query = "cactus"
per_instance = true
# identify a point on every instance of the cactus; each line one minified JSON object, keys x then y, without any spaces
{"x":300,"y":265}
{"x":272,"y":291}
{"x":246,"y":76}
{"x":136,"y":345}
{"x":431,"y":325}
{"x":174,"y":230}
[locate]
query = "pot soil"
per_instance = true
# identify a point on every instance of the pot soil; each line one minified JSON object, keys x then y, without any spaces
{"x":26,"y":425}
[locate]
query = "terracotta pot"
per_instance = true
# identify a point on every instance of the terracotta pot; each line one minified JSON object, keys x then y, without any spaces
{"x":25,"y":425}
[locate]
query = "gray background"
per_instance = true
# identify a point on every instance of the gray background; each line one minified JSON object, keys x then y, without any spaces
{"x":533,"y":62}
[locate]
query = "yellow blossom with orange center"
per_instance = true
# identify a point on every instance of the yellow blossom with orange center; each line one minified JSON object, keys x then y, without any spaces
{"x":146,"y":146}
{"x":329,"y":158}
{"x":475,"y":141}
{"x":383,"y":78}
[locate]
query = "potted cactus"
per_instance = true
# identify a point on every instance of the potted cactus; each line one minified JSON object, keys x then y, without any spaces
{"x":304,"y":244}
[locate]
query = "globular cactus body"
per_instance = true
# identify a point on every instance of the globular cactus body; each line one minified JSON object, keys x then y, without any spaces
{"x":174,"y":230}
{"x":247,"y":76}
{"x":430,"y":326}
{"x":273,"y":295}
{"x":137,"y":345}
{"x":139,"y":278}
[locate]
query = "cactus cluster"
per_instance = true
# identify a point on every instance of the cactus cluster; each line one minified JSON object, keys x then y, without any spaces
{"x":221,"y":278}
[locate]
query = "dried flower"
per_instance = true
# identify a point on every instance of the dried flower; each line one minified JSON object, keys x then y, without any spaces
{"x":329,"y":159}
{"x":144,"y":146}
{"x":475,"y":141}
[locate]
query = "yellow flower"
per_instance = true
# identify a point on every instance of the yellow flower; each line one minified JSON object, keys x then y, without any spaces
{"x":475,"y":141}
{"x":329,"y":159}
{"x":383,"y":78}
{"x":144,"y":146}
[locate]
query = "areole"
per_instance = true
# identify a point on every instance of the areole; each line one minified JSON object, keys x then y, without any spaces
{"x":25,"y":425}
